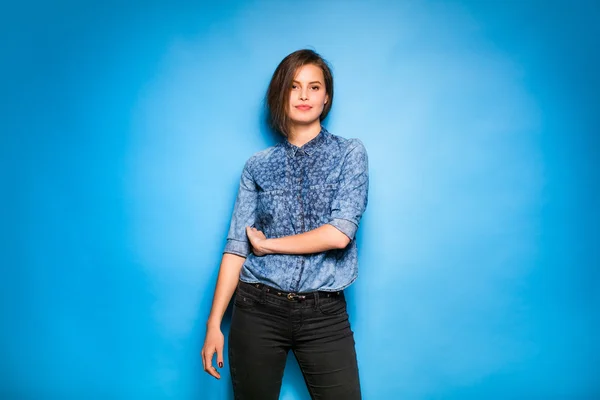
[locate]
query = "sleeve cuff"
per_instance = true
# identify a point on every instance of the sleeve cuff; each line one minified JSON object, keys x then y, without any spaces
{"x":237,"y":247}
{"x":345,"y":226}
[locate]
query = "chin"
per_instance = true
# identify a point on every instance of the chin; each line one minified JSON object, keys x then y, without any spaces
{"x":304,"y":120}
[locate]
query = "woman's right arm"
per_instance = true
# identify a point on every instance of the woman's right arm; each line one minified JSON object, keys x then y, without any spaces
{"x":236,"y":250}
{"x":229,"y":273}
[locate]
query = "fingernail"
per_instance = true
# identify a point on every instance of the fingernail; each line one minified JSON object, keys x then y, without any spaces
{"x":220,"y":365}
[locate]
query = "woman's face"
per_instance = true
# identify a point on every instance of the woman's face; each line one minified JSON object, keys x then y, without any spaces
{"x":307,"y":96}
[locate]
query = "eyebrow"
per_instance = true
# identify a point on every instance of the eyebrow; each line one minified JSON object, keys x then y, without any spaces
{"x":310,"y":83}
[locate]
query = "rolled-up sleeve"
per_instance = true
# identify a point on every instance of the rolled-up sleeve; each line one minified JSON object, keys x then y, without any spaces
{"x":351,"y":198}
{"x":244,"y":214}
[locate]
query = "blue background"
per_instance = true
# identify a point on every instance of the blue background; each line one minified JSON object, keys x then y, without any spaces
{"x":124,"y":129}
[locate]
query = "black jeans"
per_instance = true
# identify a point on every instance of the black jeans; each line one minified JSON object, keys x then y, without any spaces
{"x":264,"y":327}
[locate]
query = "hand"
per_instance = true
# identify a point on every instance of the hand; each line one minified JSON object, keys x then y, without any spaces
{"x":257,"y":239}
{"x":213,"y":343}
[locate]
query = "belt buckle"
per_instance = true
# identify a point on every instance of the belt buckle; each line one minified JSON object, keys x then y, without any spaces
{"x":291,"y":296}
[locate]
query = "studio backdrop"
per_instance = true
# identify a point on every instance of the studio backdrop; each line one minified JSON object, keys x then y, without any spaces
{"x":124,"y":127}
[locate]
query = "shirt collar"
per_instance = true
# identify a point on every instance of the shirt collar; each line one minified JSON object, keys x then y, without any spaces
{"x":309,"y":147}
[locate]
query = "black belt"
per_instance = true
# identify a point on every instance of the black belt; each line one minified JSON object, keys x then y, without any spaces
{"x":291,"y":295}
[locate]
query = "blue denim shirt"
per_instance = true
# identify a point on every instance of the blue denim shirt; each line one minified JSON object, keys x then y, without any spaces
{"x":286,"y":190}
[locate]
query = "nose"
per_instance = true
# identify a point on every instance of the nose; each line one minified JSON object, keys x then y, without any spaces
{"x":304,"y":94}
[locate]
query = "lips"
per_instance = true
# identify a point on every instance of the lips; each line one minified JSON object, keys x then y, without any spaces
{"x":303,"y":108}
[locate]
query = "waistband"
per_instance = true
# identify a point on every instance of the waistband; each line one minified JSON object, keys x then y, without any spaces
{"x":291,"y":295}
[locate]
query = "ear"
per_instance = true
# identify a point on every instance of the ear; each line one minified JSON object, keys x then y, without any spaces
{"x":326,"y":99}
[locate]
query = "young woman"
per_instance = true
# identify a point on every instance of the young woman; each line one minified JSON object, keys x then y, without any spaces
{"x":291,"y":247}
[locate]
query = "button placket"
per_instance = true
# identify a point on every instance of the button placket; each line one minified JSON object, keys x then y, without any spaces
{"x":300,"y":166}
{"x":301,"y":188}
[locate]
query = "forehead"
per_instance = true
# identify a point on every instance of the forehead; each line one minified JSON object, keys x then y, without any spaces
{"x":309,"y":73}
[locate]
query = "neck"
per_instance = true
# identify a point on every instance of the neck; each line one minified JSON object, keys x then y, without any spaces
{"x":301,"y":134}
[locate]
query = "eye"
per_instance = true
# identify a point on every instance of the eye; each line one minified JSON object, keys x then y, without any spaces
{"x":315,"y":88}
{"x":294,"y":86}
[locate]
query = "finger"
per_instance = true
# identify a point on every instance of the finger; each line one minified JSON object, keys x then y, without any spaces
{"x":203,"y":363}
{"x":220,"y":356}
{"x":212,"y":371}
{"x":208,"y":355}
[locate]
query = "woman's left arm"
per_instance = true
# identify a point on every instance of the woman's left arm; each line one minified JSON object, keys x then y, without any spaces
{"x":347,"y":208}
{"x":323,"y":238}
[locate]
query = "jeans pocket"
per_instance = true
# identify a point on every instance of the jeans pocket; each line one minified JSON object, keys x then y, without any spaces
{"x":335,"y":306}
{"x":244,"y":301}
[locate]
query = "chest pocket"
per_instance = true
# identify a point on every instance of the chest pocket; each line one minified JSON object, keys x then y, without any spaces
{"x":318,"y":203}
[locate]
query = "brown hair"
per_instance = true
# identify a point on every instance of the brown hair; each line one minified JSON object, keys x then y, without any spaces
{"x":281,"y":83}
